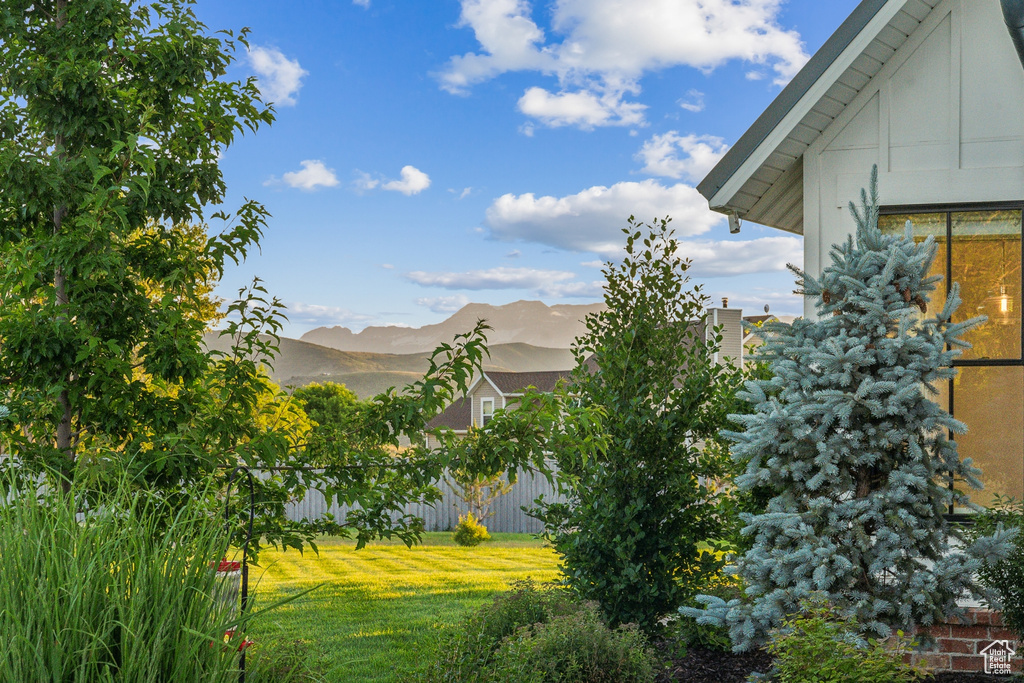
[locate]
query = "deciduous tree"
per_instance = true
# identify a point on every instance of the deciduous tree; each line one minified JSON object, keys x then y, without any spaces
{"x":639,"y":507}
{"x":113,"y":116}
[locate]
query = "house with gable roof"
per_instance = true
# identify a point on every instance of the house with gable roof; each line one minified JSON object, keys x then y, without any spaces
{"x":502,"y":390}
{"x":932,"y":92}
{"x":491,"y":391}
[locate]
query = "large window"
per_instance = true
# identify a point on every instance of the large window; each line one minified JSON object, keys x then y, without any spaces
{"x":980,"y":249}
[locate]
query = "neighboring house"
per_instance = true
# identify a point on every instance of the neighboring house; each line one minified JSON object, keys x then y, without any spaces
{"x":492,"y":391}
{"x":500,"y":390}
{"x":932,"y":91}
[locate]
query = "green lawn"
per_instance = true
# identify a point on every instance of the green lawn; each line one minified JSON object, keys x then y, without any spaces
{"x":381,"y":607}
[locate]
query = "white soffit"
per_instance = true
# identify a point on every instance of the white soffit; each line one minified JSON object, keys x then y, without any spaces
{"x":761,"y":177}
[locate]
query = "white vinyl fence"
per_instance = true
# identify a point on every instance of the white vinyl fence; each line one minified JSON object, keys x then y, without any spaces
{"x":444,"y":514}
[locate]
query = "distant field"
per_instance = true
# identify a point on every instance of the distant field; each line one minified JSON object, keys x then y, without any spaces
{"x":381,"y":608}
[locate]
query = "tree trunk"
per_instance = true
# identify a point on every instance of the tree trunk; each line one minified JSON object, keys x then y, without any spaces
{"x":63,"y":436}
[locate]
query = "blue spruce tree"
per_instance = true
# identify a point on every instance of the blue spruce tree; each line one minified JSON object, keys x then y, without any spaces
{"x":848,"y":435}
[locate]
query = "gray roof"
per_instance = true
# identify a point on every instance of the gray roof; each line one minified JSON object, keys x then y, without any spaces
{"x":516,"y":382}
{"x":457,"y":416}
{"x":769,"y":190}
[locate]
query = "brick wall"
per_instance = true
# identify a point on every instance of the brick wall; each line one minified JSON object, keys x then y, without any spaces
{"x":957,"y":647}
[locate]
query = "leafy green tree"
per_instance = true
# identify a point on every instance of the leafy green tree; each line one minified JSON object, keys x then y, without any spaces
{"x":113,"y":116}
{"x":638,"y":508}
{"x":331,"y":405}
{"x":479,"y":492}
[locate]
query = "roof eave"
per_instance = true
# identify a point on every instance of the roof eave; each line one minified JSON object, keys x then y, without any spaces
{"x":795,"y":91}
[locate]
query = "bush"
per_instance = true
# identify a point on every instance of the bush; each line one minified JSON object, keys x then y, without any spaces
{"x":530,"y":634}
{"x":120,"y":593}
{"x":1004,"y":578}
{"x":689,"y":633}
{"x":468,"y":652}
{"x":470,"y":531}
{"x":575,"y":648}
{"x":819,"y":646}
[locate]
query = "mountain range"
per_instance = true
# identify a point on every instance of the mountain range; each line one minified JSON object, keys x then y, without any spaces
{"x":525,"y":336}
{"x":522,"y":322}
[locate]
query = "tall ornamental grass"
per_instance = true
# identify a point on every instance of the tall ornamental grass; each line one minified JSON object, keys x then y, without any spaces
{"x":122,"y":592}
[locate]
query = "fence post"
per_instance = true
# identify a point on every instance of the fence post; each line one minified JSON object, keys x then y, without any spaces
{"x":241,"y":469}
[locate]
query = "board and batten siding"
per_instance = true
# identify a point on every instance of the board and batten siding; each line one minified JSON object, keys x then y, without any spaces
{"x":444,"y":515}
{"x":942,"y":119}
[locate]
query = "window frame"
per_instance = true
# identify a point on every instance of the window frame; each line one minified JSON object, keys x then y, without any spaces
{"x":485,"y":417}
{"x":949,"y":210}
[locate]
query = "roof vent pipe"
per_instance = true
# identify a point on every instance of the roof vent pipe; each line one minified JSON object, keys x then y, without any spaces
{"x":1013,"y":15}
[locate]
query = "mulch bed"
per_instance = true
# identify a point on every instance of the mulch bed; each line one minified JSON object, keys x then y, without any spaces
{"x":713,"y":666}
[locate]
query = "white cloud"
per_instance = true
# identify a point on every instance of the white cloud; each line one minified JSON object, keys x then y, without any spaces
{"x":313,"y":175}
{"x":444,"y":304}
{"x":583,"y":109}
{"x":574,"y":290}
{"x":461,"y":194}
{"x":625,"y":37}
{"x":279,"y":78}
{"x":592,"y":220}
{"x":661,"y":155}
{"x":510,"y":42}
{"x":515,"y":253}
{"x":741,"y":257}
{"x":492,"y":278}
{"x":607,"y":45}
{"x":413,"y":182}
{"x":694,"y":101}
{"x":364,"y":182}
{"x":315,"y":315}
{"x":544,"y":283}
{"x":365,"y":4}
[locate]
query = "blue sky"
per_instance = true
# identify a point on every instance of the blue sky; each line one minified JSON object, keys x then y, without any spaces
{"x":429,"y":154}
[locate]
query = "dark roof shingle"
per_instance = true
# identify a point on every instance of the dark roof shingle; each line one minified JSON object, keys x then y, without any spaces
{"x":516,"y":382}
{"x":457,"y":416}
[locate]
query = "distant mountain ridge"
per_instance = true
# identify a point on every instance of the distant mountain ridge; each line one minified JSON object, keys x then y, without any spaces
{"x":299,"y":363}
{"x":522,"y":322}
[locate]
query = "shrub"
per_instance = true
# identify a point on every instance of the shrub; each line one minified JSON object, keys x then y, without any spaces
{"x":468,"y":653}
{"x":120,"y":593}
{"x":535,"y":635}
{"x":575,"y":648}
{"x":689,"y":633}
{"x":470,"y":531}
{"x":819,"y":646}
{"x":1004,"y":578}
